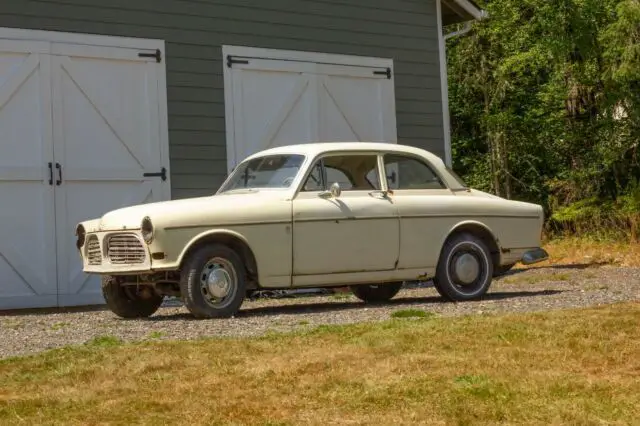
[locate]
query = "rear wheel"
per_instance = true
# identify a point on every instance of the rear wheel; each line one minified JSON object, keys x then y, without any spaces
{"x":130,"y":301}
{"x":213,"y":283}
{"x":376,"y":293}
{"x":465,"y":269}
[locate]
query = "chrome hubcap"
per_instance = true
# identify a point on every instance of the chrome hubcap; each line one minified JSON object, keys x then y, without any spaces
{"x":467,"y":268}
{"x":218,"y":282}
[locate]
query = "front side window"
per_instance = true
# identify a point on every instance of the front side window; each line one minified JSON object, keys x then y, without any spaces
{"x":406,"y":172}
{"x":272,"y":172}
{"x":358,"y":172}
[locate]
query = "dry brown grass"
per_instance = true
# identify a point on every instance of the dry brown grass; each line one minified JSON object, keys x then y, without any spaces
{"x":570,"y":251}
{"x":580,"y":366}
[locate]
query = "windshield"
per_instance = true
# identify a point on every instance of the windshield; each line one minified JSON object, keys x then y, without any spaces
{"x":271,"y":171}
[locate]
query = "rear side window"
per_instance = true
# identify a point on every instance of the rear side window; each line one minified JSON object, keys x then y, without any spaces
{"x":406,"y":172}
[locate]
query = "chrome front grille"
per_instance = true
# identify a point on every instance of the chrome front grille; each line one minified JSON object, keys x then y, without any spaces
{"x":94,"y":254}
{"x":125,"y":249}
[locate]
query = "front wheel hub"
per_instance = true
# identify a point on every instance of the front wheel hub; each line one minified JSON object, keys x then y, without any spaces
{"x":466,"y":268}
{"x":218,"y":283}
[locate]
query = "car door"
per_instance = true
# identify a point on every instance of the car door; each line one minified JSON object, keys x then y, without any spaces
{"x":357,"y":231}
{"x":424,"y":205}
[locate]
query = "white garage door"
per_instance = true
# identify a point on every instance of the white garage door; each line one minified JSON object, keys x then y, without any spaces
{"x":27,"y":225}
{"x":276,"y":98}
{"x":84,"y":128}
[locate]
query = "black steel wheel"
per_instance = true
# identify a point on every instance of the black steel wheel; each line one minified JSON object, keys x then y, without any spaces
{"x":130,"y":301}
{"x":213,"y":282}
{"x":465,"y":269}
{"x":378,"y":293}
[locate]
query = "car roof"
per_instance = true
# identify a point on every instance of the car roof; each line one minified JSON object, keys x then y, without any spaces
{"x":316,"y":148}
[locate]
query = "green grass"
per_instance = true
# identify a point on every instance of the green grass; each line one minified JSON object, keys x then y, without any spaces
{"x":157,"y":334}
{"x":104,"y":342}
{"x":411,"y":313}
{"x":565,"y":367}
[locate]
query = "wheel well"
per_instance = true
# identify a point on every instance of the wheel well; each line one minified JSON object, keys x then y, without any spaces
{"x":484,"y":234}
{"x":237,"y":245}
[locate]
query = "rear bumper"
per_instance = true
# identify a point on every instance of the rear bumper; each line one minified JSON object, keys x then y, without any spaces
{"x":534,"y":256}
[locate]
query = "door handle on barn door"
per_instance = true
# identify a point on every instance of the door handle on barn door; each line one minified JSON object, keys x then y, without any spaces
{"x":162,"y":174}
{"x":59,"y":167}
{"x":50,"y":173}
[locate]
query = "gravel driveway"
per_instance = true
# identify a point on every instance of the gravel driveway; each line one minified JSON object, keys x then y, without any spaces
{"x":534,"y":289}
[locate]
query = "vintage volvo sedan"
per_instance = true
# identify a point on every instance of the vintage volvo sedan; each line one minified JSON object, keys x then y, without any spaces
{"x":366,"y":215}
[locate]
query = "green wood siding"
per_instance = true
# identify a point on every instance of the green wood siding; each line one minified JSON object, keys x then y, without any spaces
{"x":195,"y":30}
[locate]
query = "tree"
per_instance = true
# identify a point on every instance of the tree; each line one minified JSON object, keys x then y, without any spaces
{"x":545,"y":100}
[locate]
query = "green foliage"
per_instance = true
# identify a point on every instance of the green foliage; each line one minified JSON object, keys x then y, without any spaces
{"x":545,"y":107}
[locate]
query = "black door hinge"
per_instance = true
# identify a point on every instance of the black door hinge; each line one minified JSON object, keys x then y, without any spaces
{"x":157,"y":55}
{"x":162,"y":174}
{"x":231,"y":61}
{"x":387,"y":73}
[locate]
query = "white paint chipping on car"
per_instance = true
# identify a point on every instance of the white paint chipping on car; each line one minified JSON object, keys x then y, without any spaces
{"x":366,"y":215}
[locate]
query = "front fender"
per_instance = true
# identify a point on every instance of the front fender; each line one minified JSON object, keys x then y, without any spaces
{"x":208,"y":234}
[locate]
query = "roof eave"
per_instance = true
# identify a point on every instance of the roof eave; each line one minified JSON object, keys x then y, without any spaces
{"x":467,"y":10}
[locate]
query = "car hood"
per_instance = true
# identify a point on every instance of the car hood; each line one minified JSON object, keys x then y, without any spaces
{"x":173,"y":213}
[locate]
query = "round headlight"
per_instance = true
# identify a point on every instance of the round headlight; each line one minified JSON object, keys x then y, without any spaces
{"x":80,"y":234}
{"x":147,"y":230}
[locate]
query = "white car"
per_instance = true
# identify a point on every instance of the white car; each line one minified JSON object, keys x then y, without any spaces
{"x":365,"y":215}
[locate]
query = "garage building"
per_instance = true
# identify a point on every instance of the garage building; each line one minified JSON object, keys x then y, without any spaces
{"x":105,"y":104}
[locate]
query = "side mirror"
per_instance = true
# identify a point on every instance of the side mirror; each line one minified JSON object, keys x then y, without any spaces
{"x":333,"y":192}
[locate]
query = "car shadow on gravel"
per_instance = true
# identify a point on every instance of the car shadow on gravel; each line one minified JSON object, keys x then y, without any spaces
{"x":400,"y":301}
{"x":331,"y":306}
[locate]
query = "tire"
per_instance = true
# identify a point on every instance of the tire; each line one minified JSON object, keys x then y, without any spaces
{"x":503,"y":269}
{"x":376,"y":293}
{"x":200,"y":298}
{"x":464,"y":285}
{"x":127,"y":302}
